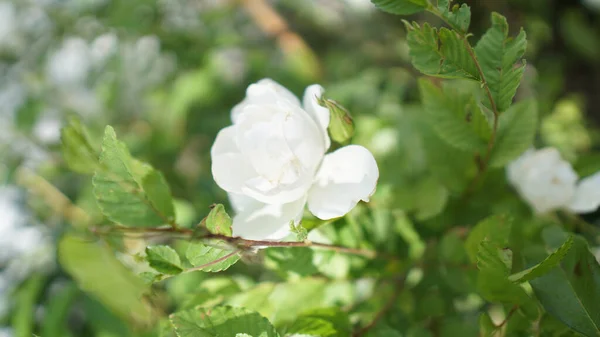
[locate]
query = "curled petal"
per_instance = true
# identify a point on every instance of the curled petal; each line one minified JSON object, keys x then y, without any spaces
{"x":346,"y":177}
{"x":587,"y":195}
{"x":230,"y":168}
{"x":264,"y":91}
{"x":317,"y":112}
{"x":267,"y":222}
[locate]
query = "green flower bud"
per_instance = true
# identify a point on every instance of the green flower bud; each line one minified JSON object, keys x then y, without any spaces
{"x":341,"y":125}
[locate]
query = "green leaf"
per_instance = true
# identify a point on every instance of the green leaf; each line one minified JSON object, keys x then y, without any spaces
{"x":77,"y":149}
{"x":441,"y":54}
{"x":221,"y":321}
{"x":495,"y":229}
{"x":211,"y":259}
{"x":446,"y":111}
{"x":497,"y":55}
{"x":401,"y":7}
{"x":571,"y":293}
{"x":291,"y":262}
{"x":164,"y":259}
{"x":98,"y":272}
{"x":325,"y":322}
{"x":516,"y":131}
{"x":129,"y":191}
{"x":218,"y":221}
{"x":341,"y":125}
{"x":459,"y":17}
{"x":545,"y":266}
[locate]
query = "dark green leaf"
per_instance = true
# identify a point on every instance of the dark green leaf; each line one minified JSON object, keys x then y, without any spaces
{"x":497,"y":55}
{"x":495,"y":229}
{"x":164,"y":259}
{"x":545,"y":266}
{"x":441,"y":54}
{"x":221,"y":321}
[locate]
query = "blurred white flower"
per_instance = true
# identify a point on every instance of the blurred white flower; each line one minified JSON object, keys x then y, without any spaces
{"x":592,"y":4}
{"x":70,"y":65}
{"x":272,"y":162}
{"x":8,"y":23}
{"x":6,"y":332}
{"x":547,"y":183}
{"x":47,"y":128}
{"x":103,"y":47}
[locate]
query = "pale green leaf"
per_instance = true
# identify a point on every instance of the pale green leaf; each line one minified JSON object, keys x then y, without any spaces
{"x":516,"y":131}
{"x":98,"y":272}
{"x":447,"y":115}
{"x":164,"y":259}
{"x":459,"y":17}
{"x":441,"y":54}
{"x":545,"y":266}
{"x":218,"y":221}
{"x":211,"y":259}
{"x":326,"y":322}
{"x":499,"y":57}
{"x":401,"y":7}
{"x":129,"y":191}
{"x":221,"y":321}
{"x":77,"y":149}
{"x":293,"y":262}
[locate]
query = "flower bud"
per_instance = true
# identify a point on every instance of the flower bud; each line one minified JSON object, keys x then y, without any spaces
{"x":341,"y":125}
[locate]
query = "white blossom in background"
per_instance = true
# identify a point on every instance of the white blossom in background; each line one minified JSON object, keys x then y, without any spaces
{"x":548,"y":182}
{"x":272,"y":163}
{"x":8,"y":23}
{"x":70,"y":65}
{"x":103,"y":47}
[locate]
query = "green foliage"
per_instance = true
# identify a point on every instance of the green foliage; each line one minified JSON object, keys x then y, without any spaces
{"x":516,"y":130}
{"x":327,"y":322}
{"x":128,"y":191}
{"x":572,"y":292}
{"x":401,"y":7}
{"x":164,"y":259}
{"x":221,"y":321}
{"x":458,"y":16}
{"x":545,"y":266}
{"x":211,"y":258}
{"x":341,"y":125}
{"x":218,"y":221}
{"x":77,"y":148}
{"x":440,"y":53}
{"x":497,"y":55}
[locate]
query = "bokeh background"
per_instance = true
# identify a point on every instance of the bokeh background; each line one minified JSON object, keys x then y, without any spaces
{"x":166,"y":73}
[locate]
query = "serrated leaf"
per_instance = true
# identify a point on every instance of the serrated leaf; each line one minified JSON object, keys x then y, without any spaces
{"x":446,"y":112}
{"x":498,"y":54}
{"x":218,"y":221}
{"x":98,"y":272}
{"x":441,"y":54}
{"x":164,"y":259}
{"x":78,"y":152}
{"x":571,"y":292}
{"x":459,"y":17}
{"x":129,"y":191}
{"x":401,"y":7}
{"x":516,"y":131}
{"x":491,"y":258}
{"x":221,"y":321}
{"x":545,"y":266}
{"x":495,"y":229}
{"x":325,"y":322}
{"x":211,"y":259}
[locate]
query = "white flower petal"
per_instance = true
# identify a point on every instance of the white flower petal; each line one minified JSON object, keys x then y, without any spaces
{"x":230,"y":169}
{"x":587,"y":195}
{"x":317,"y":112}
{"x":346,"y":177}
{"x":268,"y":222}
{"x":265,"y":91}
{"x":241,"y":202}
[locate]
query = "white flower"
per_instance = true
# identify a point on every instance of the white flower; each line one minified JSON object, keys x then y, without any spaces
{"x":70,"y":64}
{"x":272,"y":162}
{"x":547,"y":182}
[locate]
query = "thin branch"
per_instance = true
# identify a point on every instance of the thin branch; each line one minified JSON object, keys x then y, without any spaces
{"x":238,"y":241}
{"x":507,"y":318}
{"x":384,"y":310}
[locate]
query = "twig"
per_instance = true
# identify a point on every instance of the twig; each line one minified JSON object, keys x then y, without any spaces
{"x":238,"y":241}
{"x":384,"y":310}
{"x":508,"y":316}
